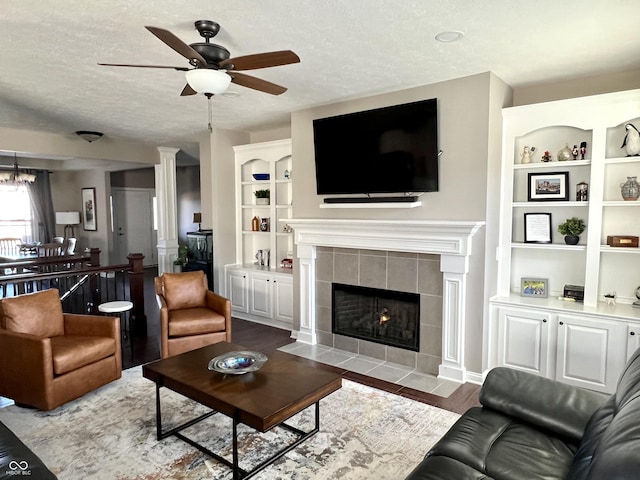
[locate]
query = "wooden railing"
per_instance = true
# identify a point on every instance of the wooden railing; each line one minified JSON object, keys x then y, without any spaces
{"x":82,"y":282}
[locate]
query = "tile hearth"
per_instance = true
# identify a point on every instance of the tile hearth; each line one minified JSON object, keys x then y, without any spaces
{"x":372,"y":367}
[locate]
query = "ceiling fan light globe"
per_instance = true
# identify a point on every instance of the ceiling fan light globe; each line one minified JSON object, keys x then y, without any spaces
{"x":208,"y":81}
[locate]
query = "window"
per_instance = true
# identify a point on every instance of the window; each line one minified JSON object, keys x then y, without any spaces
{"x":15,"y":213}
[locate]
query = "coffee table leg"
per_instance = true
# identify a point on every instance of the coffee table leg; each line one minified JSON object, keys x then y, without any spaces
{"x":158,"y":414}
{"x":236,"y":463}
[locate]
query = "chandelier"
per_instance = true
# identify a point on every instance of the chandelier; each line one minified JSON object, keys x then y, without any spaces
{"x":15,"y":176}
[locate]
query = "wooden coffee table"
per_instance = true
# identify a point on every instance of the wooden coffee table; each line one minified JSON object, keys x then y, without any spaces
{"x":283,"y":387}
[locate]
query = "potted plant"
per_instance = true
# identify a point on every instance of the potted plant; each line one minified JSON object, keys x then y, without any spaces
{"x":181,"y":259}
{"x":571,"y":229}
{"x":262,"y":196}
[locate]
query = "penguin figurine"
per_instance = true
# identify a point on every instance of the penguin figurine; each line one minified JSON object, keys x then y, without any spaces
{"x":631,"y":140}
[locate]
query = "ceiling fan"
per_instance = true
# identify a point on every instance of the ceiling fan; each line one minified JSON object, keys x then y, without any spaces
{"x":212,"y":69}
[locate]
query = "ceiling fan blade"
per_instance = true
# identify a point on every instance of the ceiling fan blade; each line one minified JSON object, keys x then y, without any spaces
{"x":257,"y":83}
{"x":178,"y":45}
{"x":262,"y":60}
{"x":187,"y":90}
{"x":180,"y":69}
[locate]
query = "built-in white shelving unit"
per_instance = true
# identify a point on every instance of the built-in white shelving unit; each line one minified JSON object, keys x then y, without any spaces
{"x":587,"y":343}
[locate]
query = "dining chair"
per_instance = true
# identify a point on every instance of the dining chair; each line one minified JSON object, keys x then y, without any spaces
{"x":51,"y":250}
{"x":10,"y":244}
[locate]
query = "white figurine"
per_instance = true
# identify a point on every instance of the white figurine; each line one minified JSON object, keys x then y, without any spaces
{"x":610,"y":298}
{"x":526,"y":155}
{"x":631,"y":140}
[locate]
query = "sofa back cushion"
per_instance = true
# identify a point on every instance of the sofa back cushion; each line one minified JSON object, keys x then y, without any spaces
{"x":611,"y":441}
{"x":38,"y":314}
{"x":185,"y":290}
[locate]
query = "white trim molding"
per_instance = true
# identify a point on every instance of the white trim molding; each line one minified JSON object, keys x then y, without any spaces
{"x":452,"y":240}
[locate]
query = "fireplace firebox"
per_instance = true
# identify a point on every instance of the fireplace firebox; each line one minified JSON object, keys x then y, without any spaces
{"x":382,"y":316}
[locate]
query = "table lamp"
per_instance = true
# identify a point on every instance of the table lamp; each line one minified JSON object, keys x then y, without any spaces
{"x":197,"y":218}
{"x":69,"y":220}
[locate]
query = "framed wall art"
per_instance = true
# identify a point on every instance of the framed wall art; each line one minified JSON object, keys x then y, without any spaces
{"x":534,"y":287}
{"x":548,"y":187}
{"x":537,"y":228}
{"x":89,"y":209}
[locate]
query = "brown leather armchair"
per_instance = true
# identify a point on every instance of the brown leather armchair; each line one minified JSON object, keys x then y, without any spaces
{"x":191,"y":315}
{"x":48,"y":357}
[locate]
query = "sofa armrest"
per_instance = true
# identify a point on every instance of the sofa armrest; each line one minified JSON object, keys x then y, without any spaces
{"x":91,"y":325}
{"x":548,"y":404}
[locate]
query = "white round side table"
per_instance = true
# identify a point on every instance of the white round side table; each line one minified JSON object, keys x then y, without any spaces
{"x":119,"y":307}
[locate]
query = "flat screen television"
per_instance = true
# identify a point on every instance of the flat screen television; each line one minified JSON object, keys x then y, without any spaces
{"x":385,"y":150}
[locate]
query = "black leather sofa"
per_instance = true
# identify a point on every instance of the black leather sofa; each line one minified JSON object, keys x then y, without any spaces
{"x":532,"y":428}
{"x":18,"y":461}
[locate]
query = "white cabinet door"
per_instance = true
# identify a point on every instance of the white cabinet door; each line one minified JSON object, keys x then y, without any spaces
{"x":633,"y":339}
{"x":283,"y":298}
{"x":260,"y":294}
{"x":237,"y":290}
{"x":589,"y":352}
{"x":523,"y":340}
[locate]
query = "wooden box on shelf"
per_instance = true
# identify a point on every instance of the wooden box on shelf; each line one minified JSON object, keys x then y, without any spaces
{"x":622,"y":241}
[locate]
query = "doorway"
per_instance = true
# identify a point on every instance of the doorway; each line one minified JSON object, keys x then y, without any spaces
{"x":133,"y":230}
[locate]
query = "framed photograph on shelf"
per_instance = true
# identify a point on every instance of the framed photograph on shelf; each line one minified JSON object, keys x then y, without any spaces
{"x":89,"y":209}
{"x":534,"y":287}
{"x":548,"y":187}
{"x":537,"y":228}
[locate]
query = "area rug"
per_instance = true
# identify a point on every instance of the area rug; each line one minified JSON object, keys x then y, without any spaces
{"x":111,"y":434}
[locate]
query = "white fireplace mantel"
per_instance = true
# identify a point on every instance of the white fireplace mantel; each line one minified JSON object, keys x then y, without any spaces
{"x":449,"y":239}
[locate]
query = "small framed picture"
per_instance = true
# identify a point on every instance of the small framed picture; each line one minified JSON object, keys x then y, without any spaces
{"x":534,"y":287}
{"x":89,"y":209}
{"x":537,"y":228}
{"x":548,"y":187}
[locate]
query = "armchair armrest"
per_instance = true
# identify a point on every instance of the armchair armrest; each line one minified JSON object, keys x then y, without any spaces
{"x":219,"y":304}
{"x":91,"y":325}
{"x":549,"y":404}
{"x":27,"y":364}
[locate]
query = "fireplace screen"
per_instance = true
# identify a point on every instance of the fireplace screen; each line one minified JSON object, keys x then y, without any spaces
{"x":382,"y":316}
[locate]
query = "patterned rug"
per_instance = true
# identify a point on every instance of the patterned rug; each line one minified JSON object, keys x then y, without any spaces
{"x":110,"y":434}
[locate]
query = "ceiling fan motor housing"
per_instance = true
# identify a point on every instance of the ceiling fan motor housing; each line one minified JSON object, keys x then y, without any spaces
{"x":211,"y":52}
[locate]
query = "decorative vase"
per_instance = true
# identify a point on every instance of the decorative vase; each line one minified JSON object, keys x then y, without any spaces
{"x":630,"y":189}
{"x":571,"y":239}
{"x":565,"y":153}
{"x":262,"y":201}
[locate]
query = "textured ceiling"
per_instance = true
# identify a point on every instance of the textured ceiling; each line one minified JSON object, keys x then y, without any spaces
{"x":49,"y":50}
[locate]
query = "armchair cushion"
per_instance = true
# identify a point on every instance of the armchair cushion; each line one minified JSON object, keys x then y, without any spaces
{"x":38,"y":314}
{"x":71,"y":352}
{"x":185,"y":290}
{"x":195,"y":321}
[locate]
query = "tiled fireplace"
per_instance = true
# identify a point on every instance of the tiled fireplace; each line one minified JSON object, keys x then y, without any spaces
{"x":429,"y":258}
{"x":387,"y":271}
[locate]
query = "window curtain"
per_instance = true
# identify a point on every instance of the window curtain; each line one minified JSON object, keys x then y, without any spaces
{"x":43,"y":217}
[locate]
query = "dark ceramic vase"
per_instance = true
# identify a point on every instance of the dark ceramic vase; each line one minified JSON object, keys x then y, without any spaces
{"x":571,"y":239}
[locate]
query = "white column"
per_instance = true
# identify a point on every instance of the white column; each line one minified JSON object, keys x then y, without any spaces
{"x":455,"y":270}
{"x":307,"y":269}
{"x":167,"y":207}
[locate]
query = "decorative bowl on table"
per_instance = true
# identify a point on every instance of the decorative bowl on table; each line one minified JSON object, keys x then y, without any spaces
{"x":261,"y":176}
{"x":237,"y":363}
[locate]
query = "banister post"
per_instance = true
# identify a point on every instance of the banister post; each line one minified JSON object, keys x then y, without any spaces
{"x":94,"y":283}
{"x":136,"y":292}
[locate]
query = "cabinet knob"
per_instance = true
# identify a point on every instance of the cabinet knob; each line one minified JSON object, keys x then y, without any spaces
{"x":544,"y":320}
{"x":632,"y":333}
{"x":561,"y":323}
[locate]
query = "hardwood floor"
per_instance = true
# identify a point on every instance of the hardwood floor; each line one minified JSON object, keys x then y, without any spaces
{"x":140,"y":350}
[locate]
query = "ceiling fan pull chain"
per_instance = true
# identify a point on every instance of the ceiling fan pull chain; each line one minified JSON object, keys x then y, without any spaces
{"x":210,"y":108}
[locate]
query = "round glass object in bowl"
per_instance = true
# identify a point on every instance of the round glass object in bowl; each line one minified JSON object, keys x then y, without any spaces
{"x":237,"y":363}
